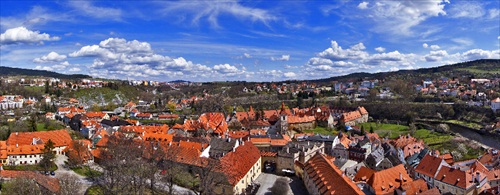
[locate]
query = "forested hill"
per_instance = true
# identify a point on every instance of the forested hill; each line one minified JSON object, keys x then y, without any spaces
{"x":9,"y":71}
{"x":486,"y":68}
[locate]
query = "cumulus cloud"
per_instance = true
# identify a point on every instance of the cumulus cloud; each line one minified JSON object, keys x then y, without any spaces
{"x":434,"y":56}
{"x":493,"y":13}
{"x":121,"y":58}
{"x":55,"y":67}
{"x":363,"y":5}
{"x":433,"y":47}
{"x":380,"y":49}
{"x":475,"y":54}
{"x":399,"y":17}
{"x":75,"y":69}
{"x":51,"y":57}
{"x":226,"y":69}
{"x":282,"y":58}
{"x":336,"y":60}
{"x":23,"y":35}
{"x":290,"y":75}
{"x":211,"y":10}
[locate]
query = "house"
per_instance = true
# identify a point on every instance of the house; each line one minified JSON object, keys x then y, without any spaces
{"x":242,"y":166}
{"x":455,"y":181}
{"x":429,"y":167}
{"x":61,"y":139}
{"x":47,"y":184}
{"x":144,"y":115}
{"x":297,"y":152}
{"x":414,"y":187}
{"x":321,"y":176}
{"x":494,"y":177}
{"x":341,"y":145}
{"x":213,"y":122}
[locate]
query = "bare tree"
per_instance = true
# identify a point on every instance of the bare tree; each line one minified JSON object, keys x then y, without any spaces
{"x":77,"y":153}
{"x":21,"y":186}
{"x":70,"y":184}
{"x":210,"y":176}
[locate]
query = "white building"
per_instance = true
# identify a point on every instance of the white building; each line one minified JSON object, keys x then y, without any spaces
{"x":495,"y":104}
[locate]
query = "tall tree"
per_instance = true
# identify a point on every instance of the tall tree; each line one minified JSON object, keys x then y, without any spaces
{"x":21,"y":186}
{"x":48,"y":155}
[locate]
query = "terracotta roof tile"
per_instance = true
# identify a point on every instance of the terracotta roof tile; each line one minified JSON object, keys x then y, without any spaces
{"x":214,"y":121}
{"x":328,"y":178}
{"x":50,"y":183}
{"x":456,"y":177}
{"x":297,"y":119}
{"x":432,"y":191}
{"x":237,"y":164}
{"x":59,"y":137}
{"x":415,"y":187}
{"x":363,"y":174}
{"x":386,"y":181}
{"x":429,"y":165}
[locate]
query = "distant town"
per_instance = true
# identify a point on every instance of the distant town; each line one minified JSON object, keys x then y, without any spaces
{"x":438,"y":135}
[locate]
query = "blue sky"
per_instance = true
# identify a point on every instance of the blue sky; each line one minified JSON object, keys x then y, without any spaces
{"x":244,"y":40}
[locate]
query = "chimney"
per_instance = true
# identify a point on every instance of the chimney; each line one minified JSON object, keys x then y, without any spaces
{"x":478,"y":176}
{"x":17,"y":145}
{"x":287,"y":150}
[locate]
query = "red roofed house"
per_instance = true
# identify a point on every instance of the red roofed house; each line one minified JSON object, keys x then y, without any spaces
{"x":429,"y":167}
{"x":241,"y":167}
{"x":27,"y":147}
{"x":455,"y":181}
{"x":321,"y":176}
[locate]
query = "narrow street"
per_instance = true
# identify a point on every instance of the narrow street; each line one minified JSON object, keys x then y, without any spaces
{"x":62,"y":169}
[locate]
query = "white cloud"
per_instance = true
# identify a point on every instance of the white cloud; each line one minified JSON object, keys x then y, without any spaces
{"x":56,"y":67}
{"x":363,"y":5}
{"x":119,"y":58}
{"x":475,"y":54}
{"x":211,"y":10}
{"x":290,"y":74}
{"x":399,"y":17}
{"x":435,"y":47}
{"x":226,"y":69}
{"x":23,"y":35}
{"x":36,"y":16}
{"x":425,"y":45}
{"x":51,"y":57}
{"x":434,"y":56}
{"x":380,"y":49}
{"x":493,"y":13}
{"x":282,"y":58}
{"x":466,"y":9}
{"x":247,"y":55}
{"x":75,"y":69}
{"x":88,"y":9}
{"x":336,"y":53}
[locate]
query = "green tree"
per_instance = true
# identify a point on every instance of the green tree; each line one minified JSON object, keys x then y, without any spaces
{"x":363,"y":130}
{"x":371,"y":129}
{"x":47,"y":156}
{"x":47,"y":87}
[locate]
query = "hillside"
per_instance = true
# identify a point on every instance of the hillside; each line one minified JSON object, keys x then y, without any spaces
{"x":488,"y":68}
{"x":9,"y":71}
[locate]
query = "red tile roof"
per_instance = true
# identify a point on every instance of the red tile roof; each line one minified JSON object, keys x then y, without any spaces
{"x":415,"y":187}
{"x":268,"y":154}
{"x":297,"y":119}
{"x":25,"y":149}
{"x":363,"y":174}
{"x":214,"y":121}
{"x":432,"y":191}
{"x":457,"y":177}
{"x":239,"y":134}
{"x":99,"y":115}
{"x":386,"y":181}
{"x":429,"y":165}
{"x":238,"y":163}
{"x":328,"y":178}
{"x":168,"y":116}
{"x":50,"y":183}
{"x":362,"y":110}
{"x":59,"y":137}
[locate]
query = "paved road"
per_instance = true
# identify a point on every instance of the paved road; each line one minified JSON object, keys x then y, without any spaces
{"x":61,"y":168}
{"x":266,"y":180}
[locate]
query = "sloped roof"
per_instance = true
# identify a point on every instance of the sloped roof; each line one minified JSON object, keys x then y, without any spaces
{"x":25,"y":149}
{"x":456,"y":177}
{"x":415,"y":187}
{"x":237,"y":164}
{"x":328,"y":178}
{"x":50,"y":183}
{"x":214,"y":121}
{"x":297,"y":119}
{"x":386,"y":181}
{"x":59,"y":137}
{"x":363,"y":174}
{"x":429,"y":165}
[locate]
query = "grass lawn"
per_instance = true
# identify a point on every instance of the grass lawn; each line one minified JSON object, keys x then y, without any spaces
{"x":52,"y":126}
{"x":29,"y":168}
{"x":86,"y":171}
{"x":470,"y":125}
{"x":434,"y":140}
{"x":390,"y":130}
{"x":322,"y":131}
